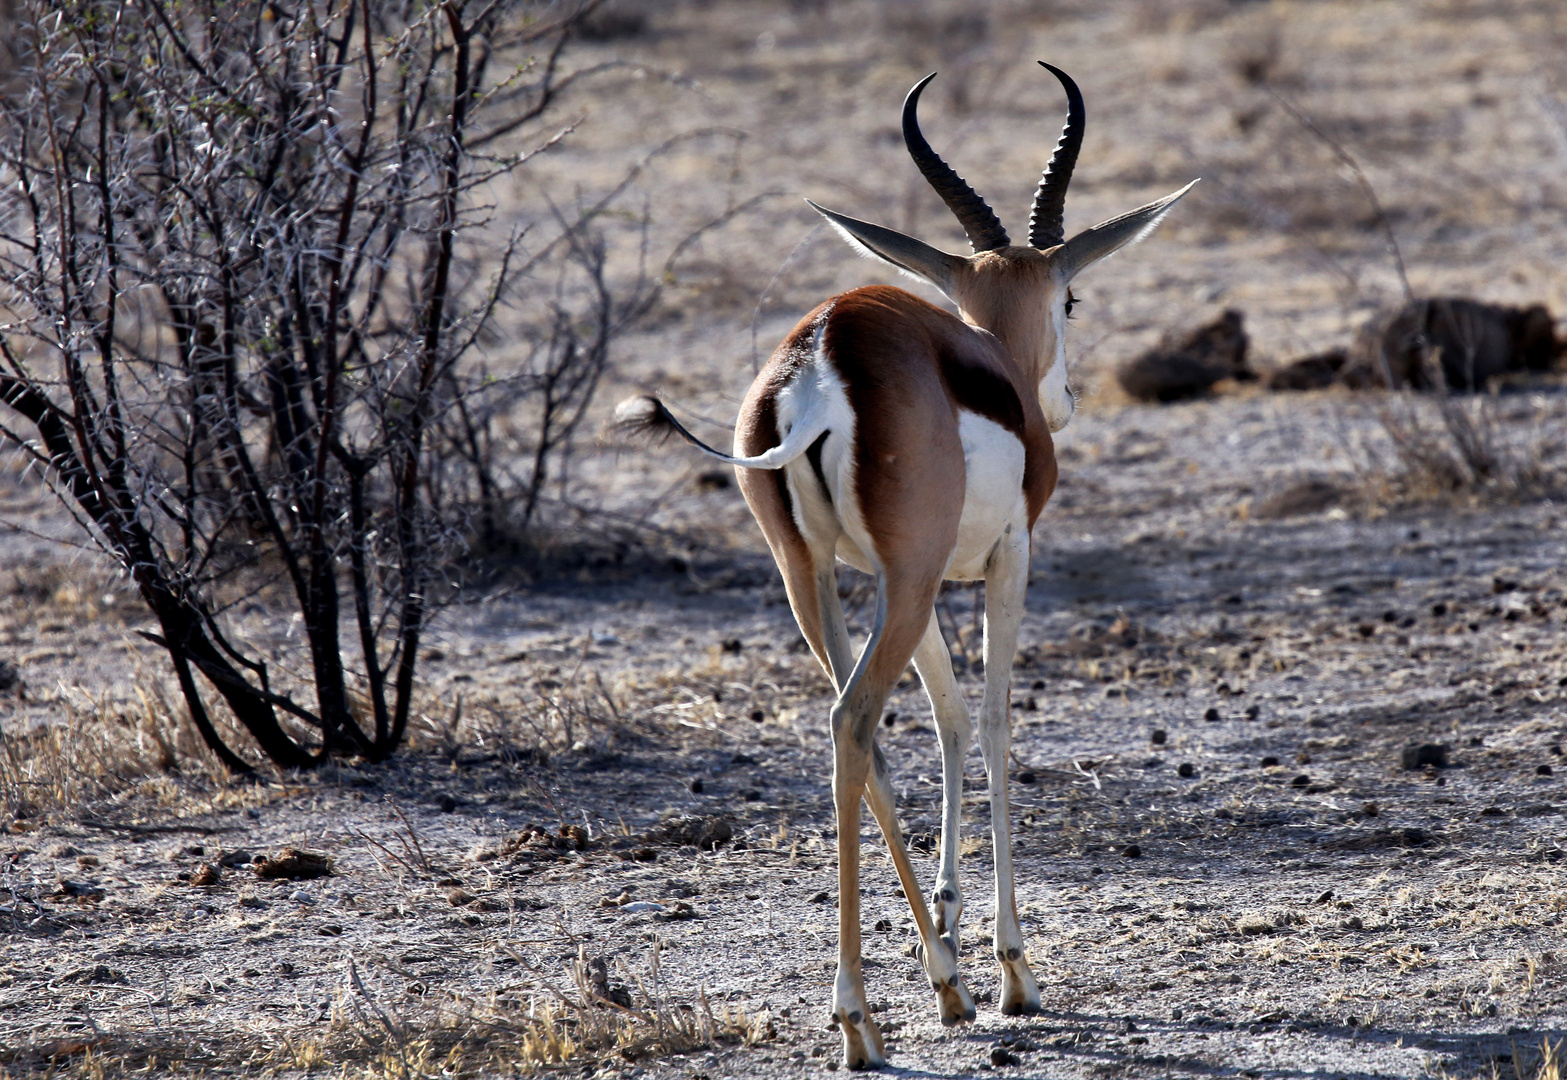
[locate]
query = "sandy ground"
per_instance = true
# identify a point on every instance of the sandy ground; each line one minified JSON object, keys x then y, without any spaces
{"x":1301,"y":904}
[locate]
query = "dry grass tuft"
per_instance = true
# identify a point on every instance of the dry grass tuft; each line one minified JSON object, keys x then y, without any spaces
{"x":540,"y":1029}
{"x":102,"y":749}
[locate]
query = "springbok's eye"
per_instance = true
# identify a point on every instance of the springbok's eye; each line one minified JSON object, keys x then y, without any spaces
{"x":1071,"y":302}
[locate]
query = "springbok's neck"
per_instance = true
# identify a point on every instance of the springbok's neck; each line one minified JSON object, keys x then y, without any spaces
{"x":1026,"y":339}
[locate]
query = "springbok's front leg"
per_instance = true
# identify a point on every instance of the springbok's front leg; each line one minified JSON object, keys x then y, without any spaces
{"x":1006,"y":582}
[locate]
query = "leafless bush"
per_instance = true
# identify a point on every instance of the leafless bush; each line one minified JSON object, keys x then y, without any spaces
{"x":242,"y":260}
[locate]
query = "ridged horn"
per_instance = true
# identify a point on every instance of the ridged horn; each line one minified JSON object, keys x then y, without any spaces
{"x":979,"y":221}
{"x":1046,"y":221}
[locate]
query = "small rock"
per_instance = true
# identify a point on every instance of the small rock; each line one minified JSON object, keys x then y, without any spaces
{"x":1423,"y":755}
{"x":1542,"y":770}
{"x":1370,"y":809}
{"x":251,"y":900}
{"x":1186,"y":769}
{"x":639,"y":907}
{"x":10,"y":677}
{"x":1153,"y":763}
{"x":87,"y":862}
{"x":459,"y":897}
{"x":1270,"y":762}
{"x":1000,"y":1055}
{"x":1353,"y":923}
{"x":1253,"y":711}
{"x":98,"y":974}
{"x":1254,"y":922}
{"x":1301,"y":781}
{"x":1212,"y":715}
{"x":696,"y":785}
{"x":446,"y":804}
{"x":300,"y":896}
{"x":1131,"y":851}
{"x":231,"y":859}
{"x":206,"y":874}
{"x":294,"y":864}
{"x":1027,"y":777}
{"x":1157,"y":736}
{"x":819,"y":898}
{"x":679,"y":911}
{"x":883,"y":926}
{"x":703,"y":832}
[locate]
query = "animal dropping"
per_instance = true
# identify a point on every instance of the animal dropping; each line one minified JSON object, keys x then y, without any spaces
{"x":915,"y":446}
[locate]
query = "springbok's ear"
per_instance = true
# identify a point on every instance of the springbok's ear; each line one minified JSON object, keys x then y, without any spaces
{"x":1093,"y":244}
{"x":904,"y":252}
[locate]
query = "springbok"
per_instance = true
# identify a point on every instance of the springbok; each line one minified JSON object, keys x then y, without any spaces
{"x":915,"y":445}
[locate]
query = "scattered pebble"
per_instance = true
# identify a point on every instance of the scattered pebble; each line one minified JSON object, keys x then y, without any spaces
{"x":206,"y":874}
{"x":1543,"y":770}
{"x":1254,"y":922}
{"x":1157,"y":736}
{"x":1301,"y":781}
{"x":1027,"y":777}
{"x":1212,"y":715}
{"x":300,"y":896}
{"x":294,"y":864}
{"x":1270,"y":762}
{"x":1423,"y":755}
{"x":1000,"y":1055}
{"x":696,"y":785}
{"x":1131,"y":851}
{"x":458,"y":896}
{"x":639,"y":907}
{"x":1253,"y":711}
{"x":1186,"y":768}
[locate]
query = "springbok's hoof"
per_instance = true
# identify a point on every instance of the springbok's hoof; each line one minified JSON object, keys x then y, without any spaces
{"x":862,"y":1045}
{"x":1019,"y":991}
{"x":957,"y":1006}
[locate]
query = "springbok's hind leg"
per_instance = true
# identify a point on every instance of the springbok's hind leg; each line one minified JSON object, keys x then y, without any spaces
{"x":862,"y":1045}
{"x":953,"y":730}
{"x":940,"y":962}
{"x":1006,"y":581}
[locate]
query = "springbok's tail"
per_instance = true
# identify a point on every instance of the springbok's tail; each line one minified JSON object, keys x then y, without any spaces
{"x":645,"y":415}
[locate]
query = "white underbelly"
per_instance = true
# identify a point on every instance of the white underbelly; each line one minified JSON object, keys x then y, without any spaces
{"x":993,"y":461}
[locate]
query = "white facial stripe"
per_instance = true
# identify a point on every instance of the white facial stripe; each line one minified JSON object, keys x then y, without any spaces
{"x":1055,"y":400}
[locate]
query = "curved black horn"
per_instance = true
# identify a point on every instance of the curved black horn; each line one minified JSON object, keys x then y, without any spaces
{"x":979,"y":221}
{"x":1046,"y":221}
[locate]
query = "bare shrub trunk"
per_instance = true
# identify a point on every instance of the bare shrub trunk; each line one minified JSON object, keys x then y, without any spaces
{"x":230,"y":242}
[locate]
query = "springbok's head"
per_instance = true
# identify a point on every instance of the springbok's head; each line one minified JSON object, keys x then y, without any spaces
{"x":1020,"y":294}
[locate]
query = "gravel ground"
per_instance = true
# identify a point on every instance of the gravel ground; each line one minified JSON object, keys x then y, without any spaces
{"x":1229,"y":696}
{"x":1244,"y":611}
